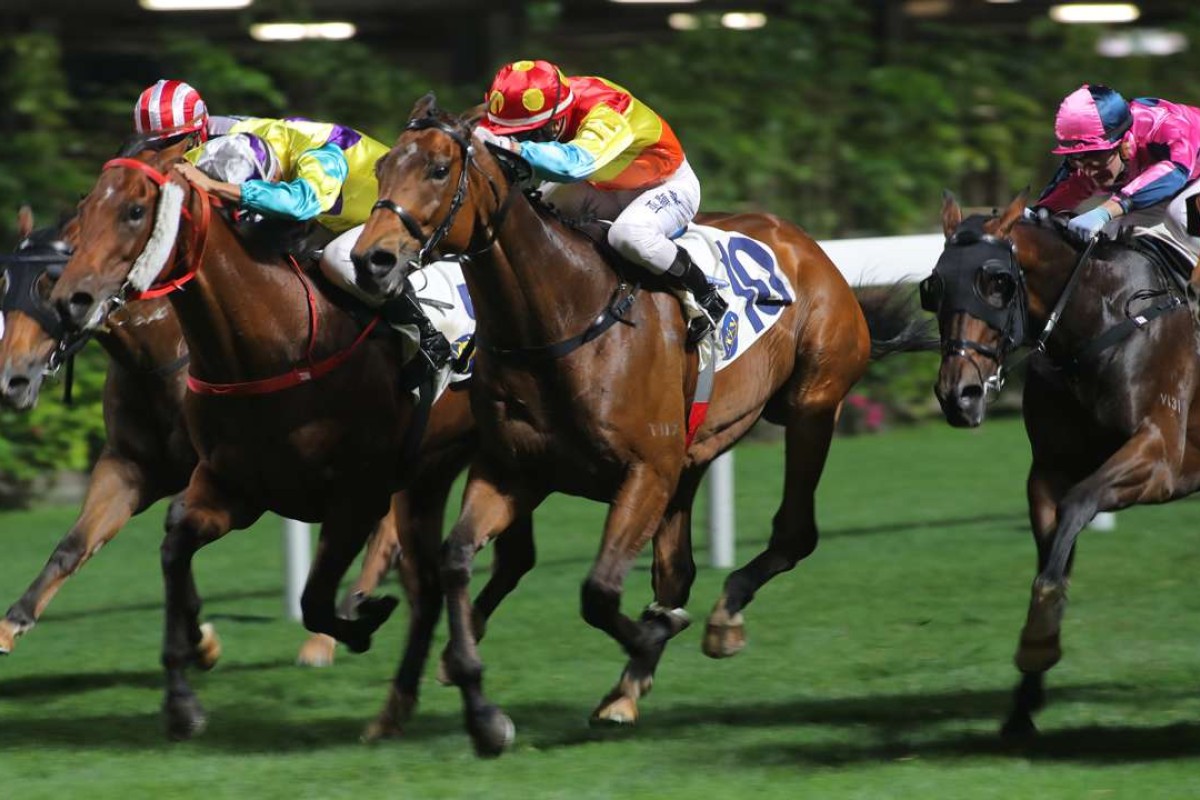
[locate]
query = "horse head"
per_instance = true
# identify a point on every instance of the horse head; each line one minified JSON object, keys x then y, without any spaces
{"x":33,"y":341}
{"x":431,"y":197}
{"x":128,"y":227}
{"x":978,"y":292}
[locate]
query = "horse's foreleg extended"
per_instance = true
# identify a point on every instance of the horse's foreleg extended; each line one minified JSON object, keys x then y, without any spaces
{"x":489,"y":508}
{"x":208,"y":513}
{"x":793,"y":531}
{"x":117,"y":489}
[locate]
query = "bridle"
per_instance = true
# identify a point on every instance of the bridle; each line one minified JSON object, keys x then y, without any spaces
{"x":196,"y":246}
{"x":430,"y":243}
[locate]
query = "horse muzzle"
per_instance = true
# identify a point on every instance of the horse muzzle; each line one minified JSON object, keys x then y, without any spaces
{"x":379,"y":271}
{"x":963,"y":398}
{"x":19,"y":385}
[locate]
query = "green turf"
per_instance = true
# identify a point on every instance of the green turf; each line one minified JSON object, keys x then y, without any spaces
{"x":879,"y":668}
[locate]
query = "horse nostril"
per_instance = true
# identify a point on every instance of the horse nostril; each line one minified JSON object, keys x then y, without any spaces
{"x":382,"y":261}
{"x":970,"y":395}
{"x":79,"y":306}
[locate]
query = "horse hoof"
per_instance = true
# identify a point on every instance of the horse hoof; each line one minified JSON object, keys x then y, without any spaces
{"x":317,"y":651}
{"x":8,"y":637}
{"x":492,"y":732}
{"x":185,"y":718}
{"x":623,"y":710}
{"x":396,"y":713}
{"x":208,"y":650}
{"x":722,"y":640}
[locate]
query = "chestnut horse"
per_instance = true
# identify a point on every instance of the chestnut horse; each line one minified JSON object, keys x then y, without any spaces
{"x":1110,"y":393}
{"x":602,"y":411}
{"x":147,"y":453}
{"x":332,"y":450}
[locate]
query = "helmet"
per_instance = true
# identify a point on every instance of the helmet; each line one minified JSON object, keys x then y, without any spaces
{"x":525,"y":95}
{"x":170,"y":106}
{"x":1092,"y":117}
{"x":237,"y":158}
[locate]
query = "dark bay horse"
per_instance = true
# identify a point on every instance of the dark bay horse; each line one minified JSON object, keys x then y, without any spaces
{"x":1109,"y":401}
{"x":325,"y":449}
{"x":606,"y":419}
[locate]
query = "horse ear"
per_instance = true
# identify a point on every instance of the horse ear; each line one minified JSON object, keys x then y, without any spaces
{"x":175,"y":151}
{"x":1014,"y":212}
{"x":472,"y":116}
{"x":425,"y":107}
{"x":24,"y":222}
{"x":951,"y":213}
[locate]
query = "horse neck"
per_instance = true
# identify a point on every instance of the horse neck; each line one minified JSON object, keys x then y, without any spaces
{"x":143,"y":336}
{"x":540,"y":283}
{"x":1047,"y":262}
{"x":245,"y":319}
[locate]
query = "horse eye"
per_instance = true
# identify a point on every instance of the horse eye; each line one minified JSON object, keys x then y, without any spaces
{"x":136,"y":212}
{"x":440,"y":171}
{"x":44,"y":285}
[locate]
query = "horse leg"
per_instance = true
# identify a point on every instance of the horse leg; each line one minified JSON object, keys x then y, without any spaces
{"x":513,"y":555}
{"x":1143,"y":470}
{"x":636,"y":513}
{"x":420,"y":513}
{"x":343,"y":534}
{"x":1038,"y":649}
{"x":117,"y":489}
{"x":208,"y":514}
{"x":489,"y":508}
{"x":674,"y":572}
{"x":383,"y":551}
{"x":793,"y":530}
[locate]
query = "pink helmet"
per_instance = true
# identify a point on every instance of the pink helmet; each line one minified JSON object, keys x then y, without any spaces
{"x":170,"y":106}
{"x":1092,"y":117}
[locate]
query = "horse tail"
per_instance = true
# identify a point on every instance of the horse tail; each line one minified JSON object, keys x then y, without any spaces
{"x":895,"y":323}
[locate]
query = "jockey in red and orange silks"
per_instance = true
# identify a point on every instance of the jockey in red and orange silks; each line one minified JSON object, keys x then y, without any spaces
{"x":1144,"y":155}
{"x":606,"y":154}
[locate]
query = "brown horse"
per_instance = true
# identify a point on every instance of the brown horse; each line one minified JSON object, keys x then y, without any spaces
{"x":332,"y":450}
{"x":1110,"y":391}
{"x":600,"y":409}
{"x":147,"y":454}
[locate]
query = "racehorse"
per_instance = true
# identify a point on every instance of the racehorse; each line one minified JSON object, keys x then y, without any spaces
{"x":272,"y":436}
{"x":583,"y":386}
{"x":1109,"y":402}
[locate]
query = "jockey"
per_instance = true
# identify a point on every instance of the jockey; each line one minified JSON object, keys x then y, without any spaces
{"x":608,"y":155}
{"x":1144,"y":155}
{"x":290,"y":169}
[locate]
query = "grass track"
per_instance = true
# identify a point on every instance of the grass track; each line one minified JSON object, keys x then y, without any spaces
{"x":879,"y":668}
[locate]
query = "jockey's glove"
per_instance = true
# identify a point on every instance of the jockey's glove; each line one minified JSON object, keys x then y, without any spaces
{"x":506,"y":142}
{"x":1086,"y":226}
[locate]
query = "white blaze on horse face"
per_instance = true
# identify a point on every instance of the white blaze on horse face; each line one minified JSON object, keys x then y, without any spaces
{"x":162,"y":240}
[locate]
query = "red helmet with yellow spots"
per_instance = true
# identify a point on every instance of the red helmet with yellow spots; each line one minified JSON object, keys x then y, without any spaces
{"x":525,"y":95}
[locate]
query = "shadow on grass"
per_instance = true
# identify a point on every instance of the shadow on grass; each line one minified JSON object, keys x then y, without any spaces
{"x":870,"y":729}
{"x":36,"y":688}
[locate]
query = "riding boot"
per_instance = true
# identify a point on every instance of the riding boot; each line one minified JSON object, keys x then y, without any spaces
{"x":405,"y":309}
{"x":692,"y":278}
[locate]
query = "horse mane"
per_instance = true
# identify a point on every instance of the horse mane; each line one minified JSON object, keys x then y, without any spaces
{"x":155,"y":141}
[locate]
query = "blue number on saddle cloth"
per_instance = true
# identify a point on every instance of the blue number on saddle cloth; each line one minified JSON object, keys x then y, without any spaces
{"x":749,"y":287}
{"x":466,"y":300}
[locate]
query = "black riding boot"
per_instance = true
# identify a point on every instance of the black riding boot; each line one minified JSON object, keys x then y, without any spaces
{"x":692,"y":278}
{"x":405,"y":309}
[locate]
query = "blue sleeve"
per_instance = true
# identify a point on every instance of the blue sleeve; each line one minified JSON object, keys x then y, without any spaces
{"x":558,"y":162}
{"x":1162,"y":189}
{"x":296,"y":199}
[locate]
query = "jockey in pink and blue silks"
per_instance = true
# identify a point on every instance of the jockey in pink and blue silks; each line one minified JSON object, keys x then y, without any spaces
{"x":1144,"y":155}
{"x":293,"y":169}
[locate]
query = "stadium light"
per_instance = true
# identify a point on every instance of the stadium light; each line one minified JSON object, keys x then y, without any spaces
{"x":1093,"y":13}
{"x":296,"y":31}
{"x":194,"y":5}
{"x":743,"y":20}
{"x":1144,"y":42}
{"x":683,"y":22}
{"x":655,"y":2}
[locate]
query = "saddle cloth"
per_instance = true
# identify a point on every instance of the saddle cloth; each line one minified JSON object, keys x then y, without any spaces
{"x":747,"y":274}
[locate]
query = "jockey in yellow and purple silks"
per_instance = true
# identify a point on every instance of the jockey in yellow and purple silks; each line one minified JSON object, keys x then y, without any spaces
{"x":290,"y":169}
{"x":607,"y":155}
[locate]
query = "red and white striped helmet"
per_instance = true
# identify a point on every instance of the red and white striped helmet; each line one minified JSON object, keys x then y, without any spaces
{"x":170,"y":106}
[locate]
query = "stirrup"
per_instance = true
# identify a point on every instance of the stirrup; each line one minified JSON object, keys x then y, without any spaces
{"x":698,"y":328}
